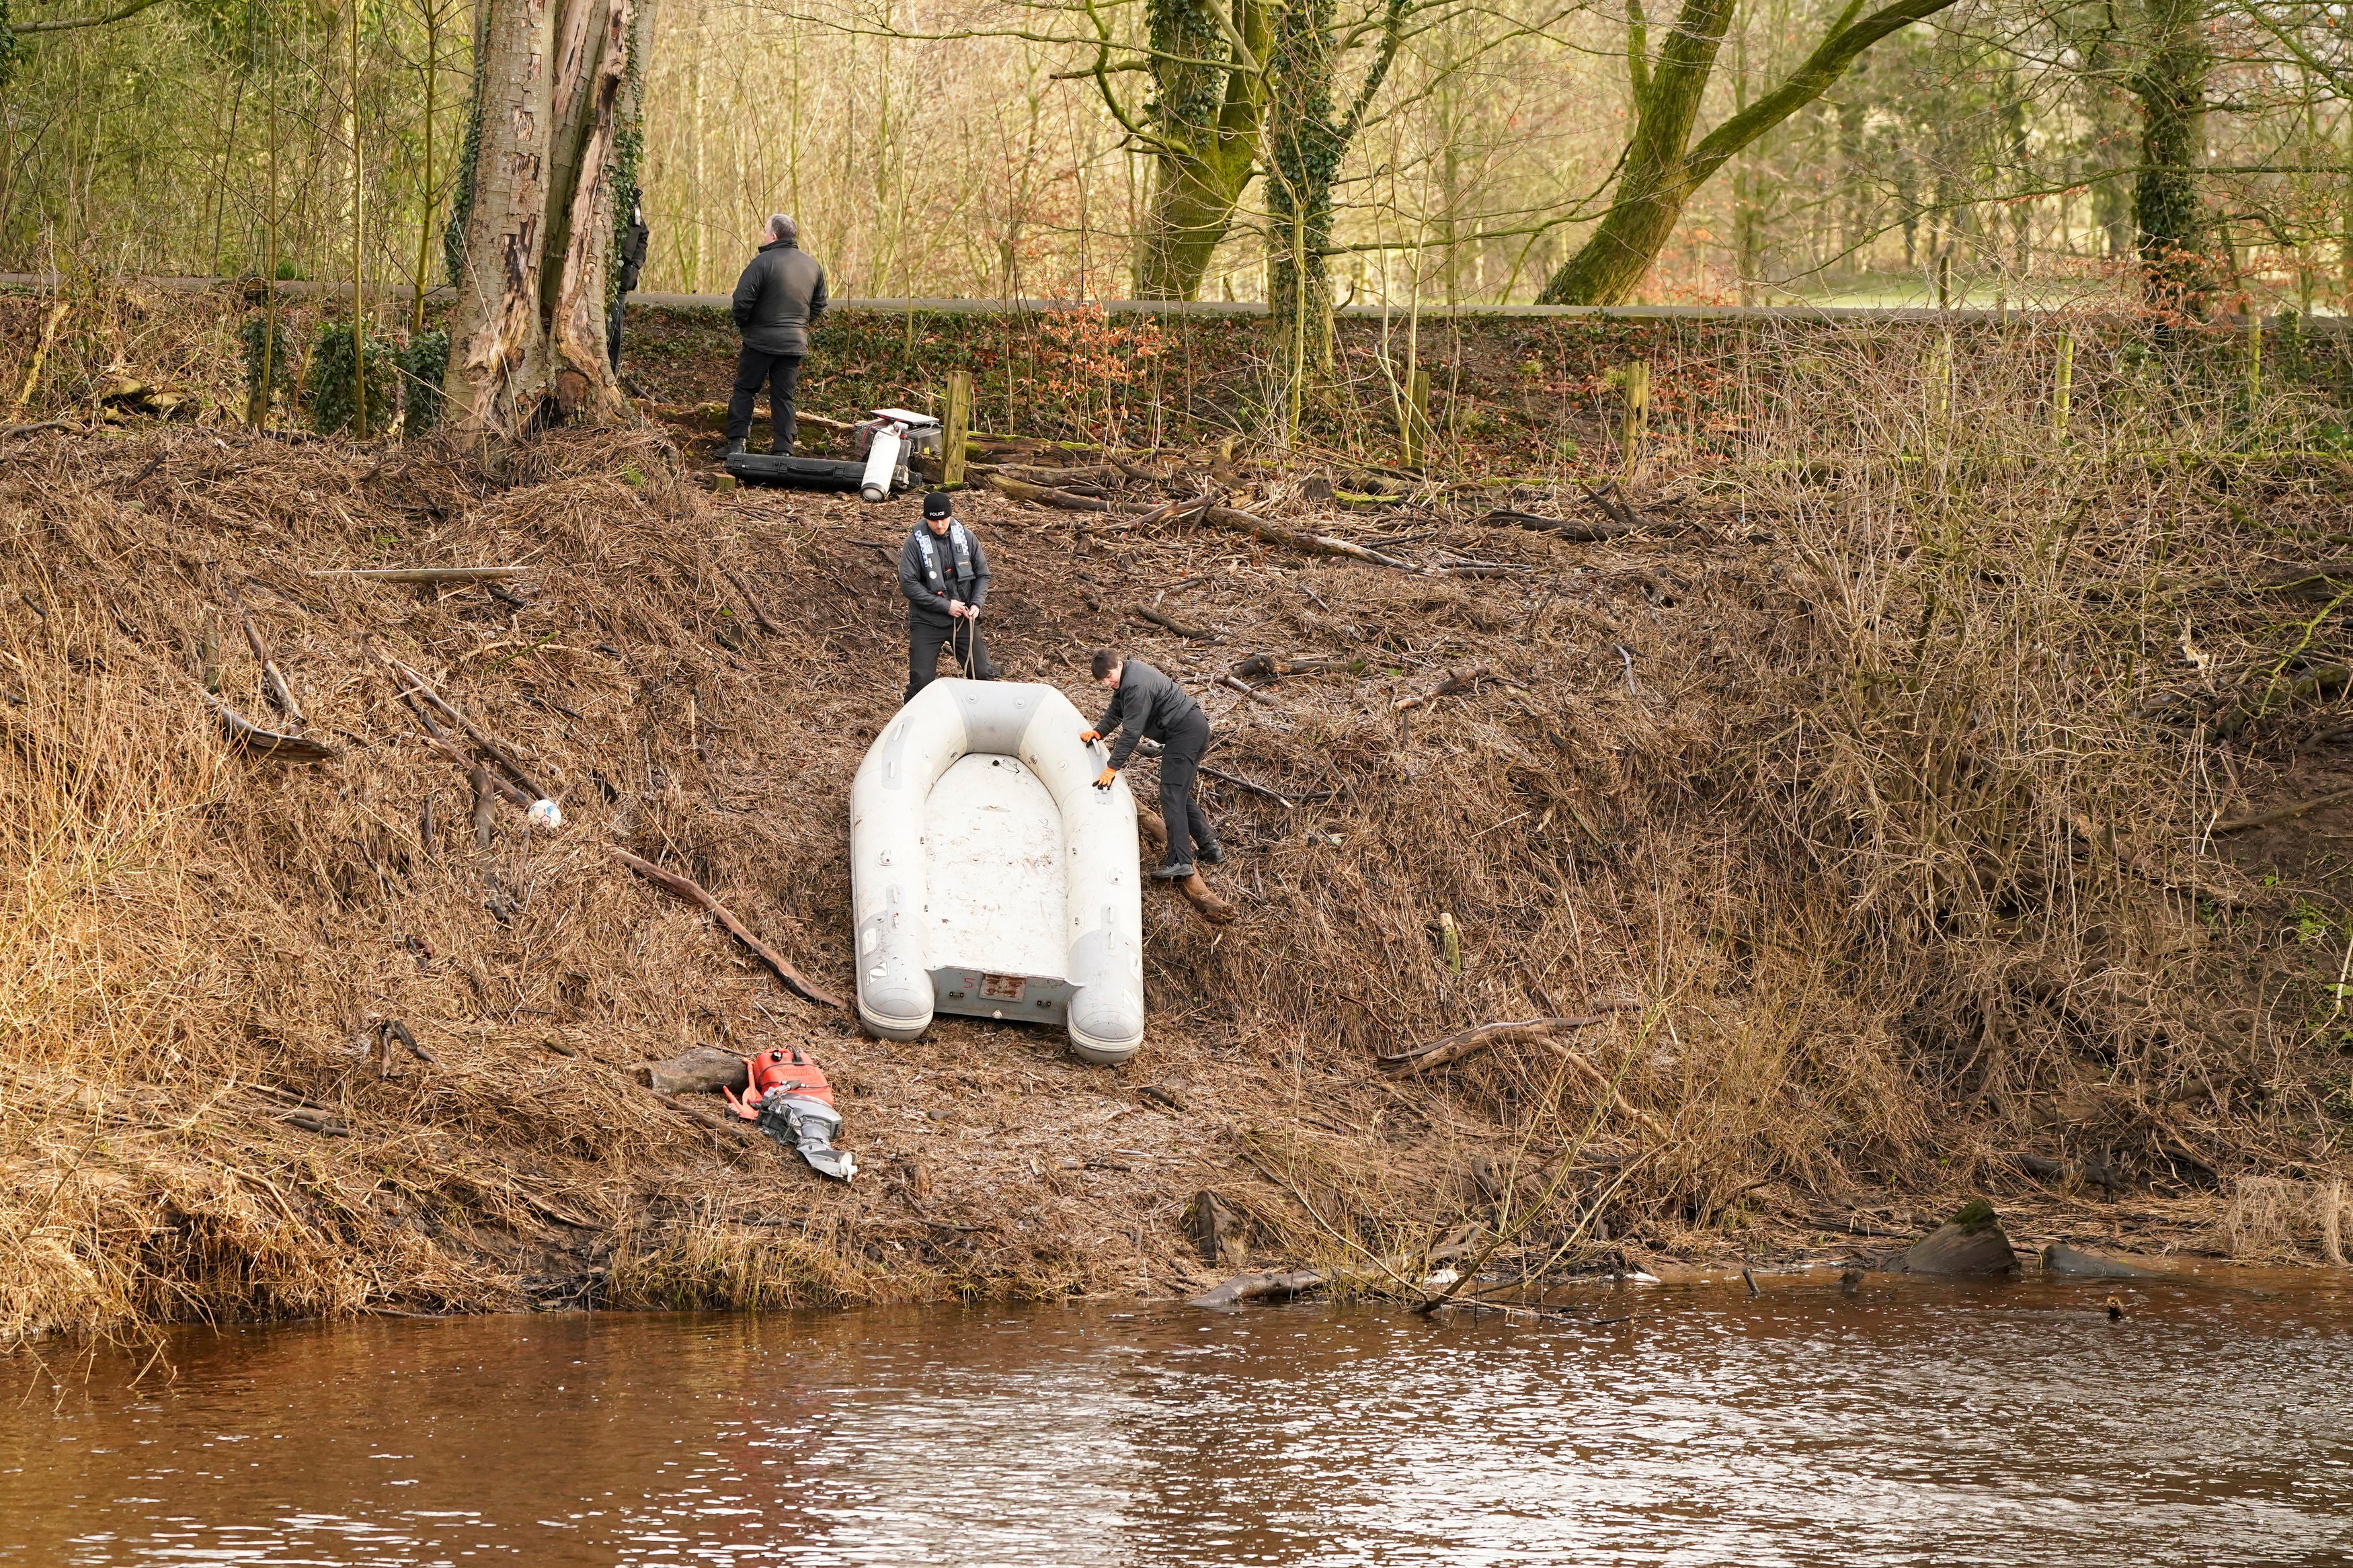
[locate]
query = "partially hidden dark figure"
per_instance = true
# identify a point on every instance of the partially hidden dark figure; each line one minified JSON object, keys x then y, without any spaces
{"x":1147,"y":705}
{"x":945,"y":575}
{"x":633,"y":261}
{"x":777,"y":300}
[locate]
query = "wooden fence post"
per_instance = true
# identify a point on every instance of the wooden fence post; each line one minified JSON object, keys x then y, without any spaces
{"x":2254,"y":353}
{"x":1638,"y":413}
{"x":959,"y":427}
{"x":1417,"y":417}
{"x":2062,"y":393}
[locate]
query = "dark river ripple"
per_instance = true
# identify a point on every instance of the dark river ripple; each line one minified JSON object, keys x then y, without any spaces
{"x":1904,"y":1425}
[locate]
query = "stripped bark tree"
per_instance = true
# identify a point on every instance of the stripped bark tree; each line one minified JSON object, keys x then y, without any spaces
{"x":551,"y":145}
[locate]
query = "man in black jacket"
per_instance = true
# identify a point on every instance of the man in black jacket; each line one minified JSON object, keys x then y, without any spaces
{"x":777,"y":300}
{"x":1149,"y":706}
{"x":945,"y":575}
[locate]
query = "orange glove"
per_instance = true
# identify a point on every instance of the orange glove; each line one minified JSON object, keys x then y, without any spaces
{"x":1088,"y":737}
{"x":1109,"y":777}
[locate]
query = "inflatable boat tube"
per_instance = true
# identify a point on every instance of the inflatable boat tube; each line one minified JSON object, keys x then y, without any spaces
{"x":988,"y":875}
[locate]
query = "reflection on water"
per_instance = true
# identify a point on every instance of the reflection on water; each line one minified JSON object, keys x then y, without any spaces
{"x":1995,"y":1424}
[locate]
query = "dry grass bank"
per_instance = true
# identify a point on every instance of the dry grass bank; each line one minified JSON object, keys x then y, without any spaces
{"x":1881,"y":772}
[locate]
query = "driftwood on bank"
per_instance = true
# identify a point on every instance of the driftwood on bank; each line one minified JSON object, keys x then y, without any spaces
{"x":1563,"y":528}
{"x":502,"y":752}
{"x":1163,"y":620}
{"x":1045,"y":495}
{"x":1267,"y":666}
{"x":701,"y":1070}
{"x":1538,"y":1032}
{"x":2281,"y":813}
{"x":278,"y":747}
{"x":1258,"y":528}
{"x":1196,"y":888}
{"x":1258,"y":1288}
{"x":1971,"y":1244}
{"x":1456,"y":680}
{"x":425,"y":573}
{"x":280,"y":692}
{"x":694,"y":893}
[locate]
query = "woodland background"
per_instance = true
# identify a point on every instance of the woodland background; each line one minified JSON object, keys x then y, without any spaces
{"x":965,"y":151}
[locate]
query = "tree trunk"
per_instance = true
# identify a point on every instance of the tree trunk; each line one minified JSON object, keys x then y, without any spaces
{"x":1662,"y":169}
{"x":1206,"y":103}
{"x":2176,"y":270}
{"x":1614,"y":259}
{"x":557,"y":96}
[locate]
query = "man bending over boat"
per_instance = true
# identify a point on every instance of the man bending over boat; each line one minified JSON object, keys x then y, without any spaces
{"x":1148,"y":706}
{"x":945,"y":575}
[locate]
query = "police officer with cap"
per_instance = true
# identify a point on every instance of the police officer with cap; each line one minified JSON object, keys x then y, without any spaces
{"x":945,"y":575}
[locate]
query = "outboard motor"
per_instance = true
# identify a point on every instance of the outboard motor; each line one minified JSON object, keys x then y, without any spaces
{"x":882,"y":443}
{"x":885,"y":441}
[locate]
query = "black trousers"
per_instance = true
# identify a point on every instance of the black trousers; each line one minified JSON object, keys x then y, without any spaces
{"x":613,"y":332}
{"x":926,"y":637}
{"x":1180,"y":764}
{"x":781,"y":374}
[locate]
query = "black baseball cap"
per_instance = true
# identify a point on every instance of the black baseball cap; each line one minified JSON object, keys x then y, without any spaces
{"x":935,"y":504}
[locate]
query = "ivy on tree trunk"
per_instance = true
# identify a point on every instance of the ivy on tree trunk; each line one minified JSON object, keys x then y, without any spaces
{"x":1202,"y":127}
{"x":2175,"y":265}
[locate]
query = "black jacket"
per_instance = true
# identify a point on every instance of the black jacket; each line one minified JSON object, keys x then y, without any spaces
{"x":779,"y":298}
{"x":930,"y":584}
{"x":1147,"y":705}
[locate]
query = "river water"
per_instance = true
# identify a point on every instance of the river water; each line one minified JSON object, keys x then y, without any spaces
{"x":1902,"y":1424}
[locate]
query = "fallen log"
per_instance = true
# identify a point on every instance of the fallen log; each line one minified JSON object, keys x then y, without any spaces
{"x":1563,"y":528}
{"x":701,"y":1070}
{"x":425,"y":573}
{"x":1182,"y":628}
{"x":1258,"y":1288}
{"x":1044,"y":495}
{"x":2074,"y":1265}
{"x":1258,"y":528}
{"x":1266,"y":666}
{"x":694,"y":893}
{"x":270,"y":743}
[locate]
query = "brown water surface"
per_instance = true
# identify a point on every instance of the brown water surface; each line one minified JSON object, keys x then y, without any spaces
{"x":1901,"y":1425}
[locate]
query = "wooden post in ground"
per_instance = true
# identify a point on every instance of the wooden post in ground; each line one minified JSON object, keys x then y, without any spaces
{"x":2254,"y":353}
{"x":958,"y":424}
{"x":1638,"y":413}
{"x":1417,"y":417}
{"x":2062,"y":393}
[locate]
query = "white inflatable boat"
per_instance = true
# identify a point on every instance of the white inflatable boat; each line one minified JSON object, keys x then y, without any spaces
{"x":990,"y":877}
